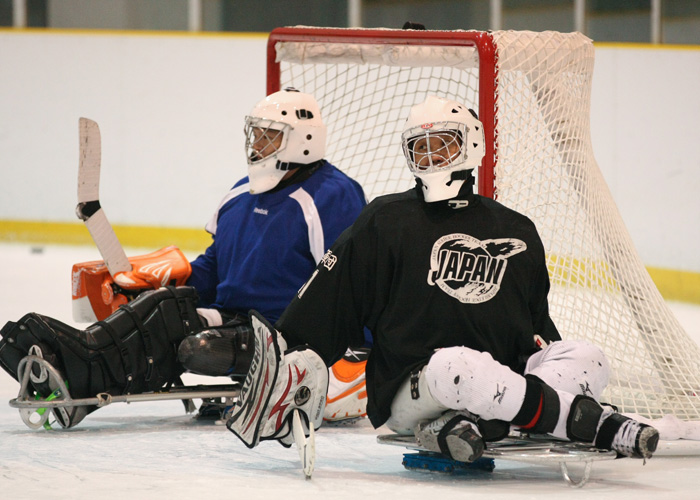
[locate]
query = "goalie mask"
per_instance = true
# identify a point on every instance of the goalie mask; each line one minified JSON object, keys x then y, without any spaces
{"x":283,"y":132}
{"x":442,"y":140}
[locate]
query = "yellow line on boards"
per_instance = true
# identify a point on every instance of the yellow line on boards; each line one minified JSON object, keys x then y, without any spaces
{"x":148,"y":237}
{"x":673,"y":284}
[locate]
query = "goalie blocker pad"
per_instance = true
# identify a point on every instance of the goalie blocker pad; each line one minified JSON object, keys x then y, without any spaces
{"x":133,"y":351}
{"x":276,"y":385}
{"x":95,"y":294}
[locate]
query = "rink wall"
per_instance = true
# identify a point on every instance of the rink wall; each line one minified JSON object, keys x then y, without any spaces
{"x":171,"y":105}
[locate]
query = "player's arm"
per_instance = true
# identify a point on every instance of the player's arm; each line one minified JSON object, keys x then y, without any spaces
{"x":204,"y":276}
{"x":342,"y":280}
{"x":543,"y":325}
{"x":339,"y":208}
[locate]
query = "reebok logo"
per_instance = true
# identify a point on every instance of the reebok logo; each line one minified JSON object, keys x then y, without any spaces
{"x":261,"y":211}
{"x":468,"y":269}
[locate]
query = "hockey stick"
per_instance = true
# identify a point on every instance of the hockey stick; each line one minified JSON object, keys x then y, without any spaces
{"x":88,"y":209}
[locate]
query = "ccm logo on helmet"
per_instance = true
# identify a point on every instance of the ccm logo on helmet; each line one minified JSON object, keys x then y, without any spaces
{"x":427,"y":125}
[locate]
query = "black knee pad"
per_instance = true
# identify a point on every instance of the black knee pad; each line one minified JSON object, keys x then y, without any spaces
{"x":584,"y":416}
{"x":221,"y":351}
{"x":540,"y":411}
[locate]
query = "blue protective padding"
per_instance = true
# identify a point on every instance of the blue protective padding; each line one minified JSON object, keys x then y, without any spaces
{"x":434,"y":462}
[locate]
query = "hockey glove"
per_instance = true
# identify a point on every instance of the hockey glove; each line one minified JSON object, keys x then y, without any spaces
{"x":97,"y":294}
{"x":277,"y":384}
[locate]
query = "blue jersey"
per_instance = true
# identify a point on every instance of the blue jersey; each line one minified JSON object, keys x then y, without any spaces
{"x":266,"y":246}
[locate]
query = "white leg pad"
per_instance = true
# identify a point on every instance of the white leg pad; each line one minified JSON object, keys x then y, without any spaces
{"x":464,"y":379}
{"x":572,"y":366}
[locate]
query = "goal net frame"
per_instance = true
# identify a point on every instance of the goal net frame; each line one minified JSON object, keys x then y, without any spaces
{"x":532,"y":93}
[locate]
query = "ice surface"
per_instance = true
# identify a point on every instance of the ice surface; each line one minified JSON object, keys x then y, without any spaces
{"x":155,"y":450}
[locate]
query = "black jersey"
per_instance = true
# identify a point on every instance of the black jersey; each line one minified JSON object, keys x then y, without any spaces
{"x":422,"y":276}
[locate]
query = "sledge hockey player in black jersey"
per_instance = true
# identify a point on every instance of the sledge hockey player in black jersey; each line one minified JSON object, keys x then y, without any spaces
{"x":453,"y":287}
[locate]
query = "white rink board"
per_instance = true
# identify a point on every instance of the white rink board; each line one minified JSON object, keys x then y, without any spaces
{"x":171,"y":109}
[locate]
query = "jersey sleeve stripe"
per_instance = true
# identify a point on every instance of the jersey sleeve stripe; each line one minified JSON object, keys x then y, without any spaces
{"x":313,"y":222}
{"x":212,"y":224}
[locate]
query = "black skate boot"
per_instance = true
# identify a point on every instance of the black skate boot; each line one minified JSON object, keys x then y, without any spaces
{"x":627,"y":437}
{"x":589,"y":422}
{"x":454,"y":434}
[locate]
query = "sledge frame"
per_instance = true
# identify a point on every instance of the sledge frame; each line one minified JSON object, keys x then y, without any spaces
{"x":532,"y":449}
{"x":34,"y":411}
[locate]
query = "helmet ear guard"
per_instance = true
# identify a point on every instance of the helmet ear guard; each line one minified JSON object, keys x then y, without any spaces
{"x":298,"y":116}
{"x":441,"y":168}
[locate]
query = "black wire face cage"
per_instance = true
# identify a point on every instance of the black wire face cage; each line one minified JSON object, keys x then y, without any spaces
{"x":264,"y":138}
{"x":434,"y":146}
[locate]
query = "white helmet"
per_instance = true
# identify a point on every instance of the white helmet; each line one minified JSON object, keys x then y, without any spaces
{"x":442,"y":137}
{"x":283,"y":131}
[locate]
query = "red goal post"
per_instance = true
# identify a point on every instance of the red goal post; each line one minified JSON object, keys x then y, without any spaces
{"x":476,"y":40}
{"x":532,"y":92}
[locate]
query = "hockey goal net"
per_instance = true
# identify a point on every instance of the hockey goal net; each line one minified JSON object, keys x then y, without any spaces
{"x":532,"y":93}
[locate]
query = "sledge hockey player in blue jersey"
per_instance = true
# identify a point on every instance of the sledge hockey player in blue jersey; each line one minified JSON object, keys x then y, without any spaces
{"x":272,"y":229}
{"x":453,"y":287}
{"x":269,"y":233}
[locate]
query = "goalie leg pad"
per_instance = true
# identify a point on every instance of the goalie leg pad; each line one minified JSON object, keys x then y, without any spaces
{"x":132,"y":351}
{"x":302,"y":385}
{"x":251,"y":408}
{"x":277,"y":384}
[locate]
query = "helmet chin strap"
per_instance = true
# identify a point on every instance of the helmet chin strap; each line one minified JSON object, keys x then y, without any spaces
{"x":465,"y":175}
{"x":303,"y":171}
{"x":466,"y":192}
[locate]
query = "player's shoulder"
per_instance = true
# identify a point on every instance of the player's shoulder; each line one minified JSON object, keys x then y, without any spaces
{"x":503,"y":210}
{"x":391,"y":207}
{"x":329,"y":171}
{"x":240,"y":190}
{"x":240,"y":182}
{"x":329,"y":184}
{"x":393,"y":200}
{"x":511,"y":220}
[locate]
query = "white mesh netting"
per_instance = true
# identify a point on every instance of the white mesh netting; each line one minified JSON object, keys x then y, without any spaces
{"x":544,"y":168}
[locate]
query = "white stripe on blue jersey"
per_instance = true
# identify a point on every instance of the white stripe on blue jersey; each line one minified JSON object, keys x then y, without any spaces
{"x":213,"y":222}
{"x":313,"y":222}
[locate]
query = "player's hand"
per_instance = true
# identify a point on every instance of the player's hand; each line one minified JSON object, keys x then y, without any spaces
{"x":167,"y":266}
